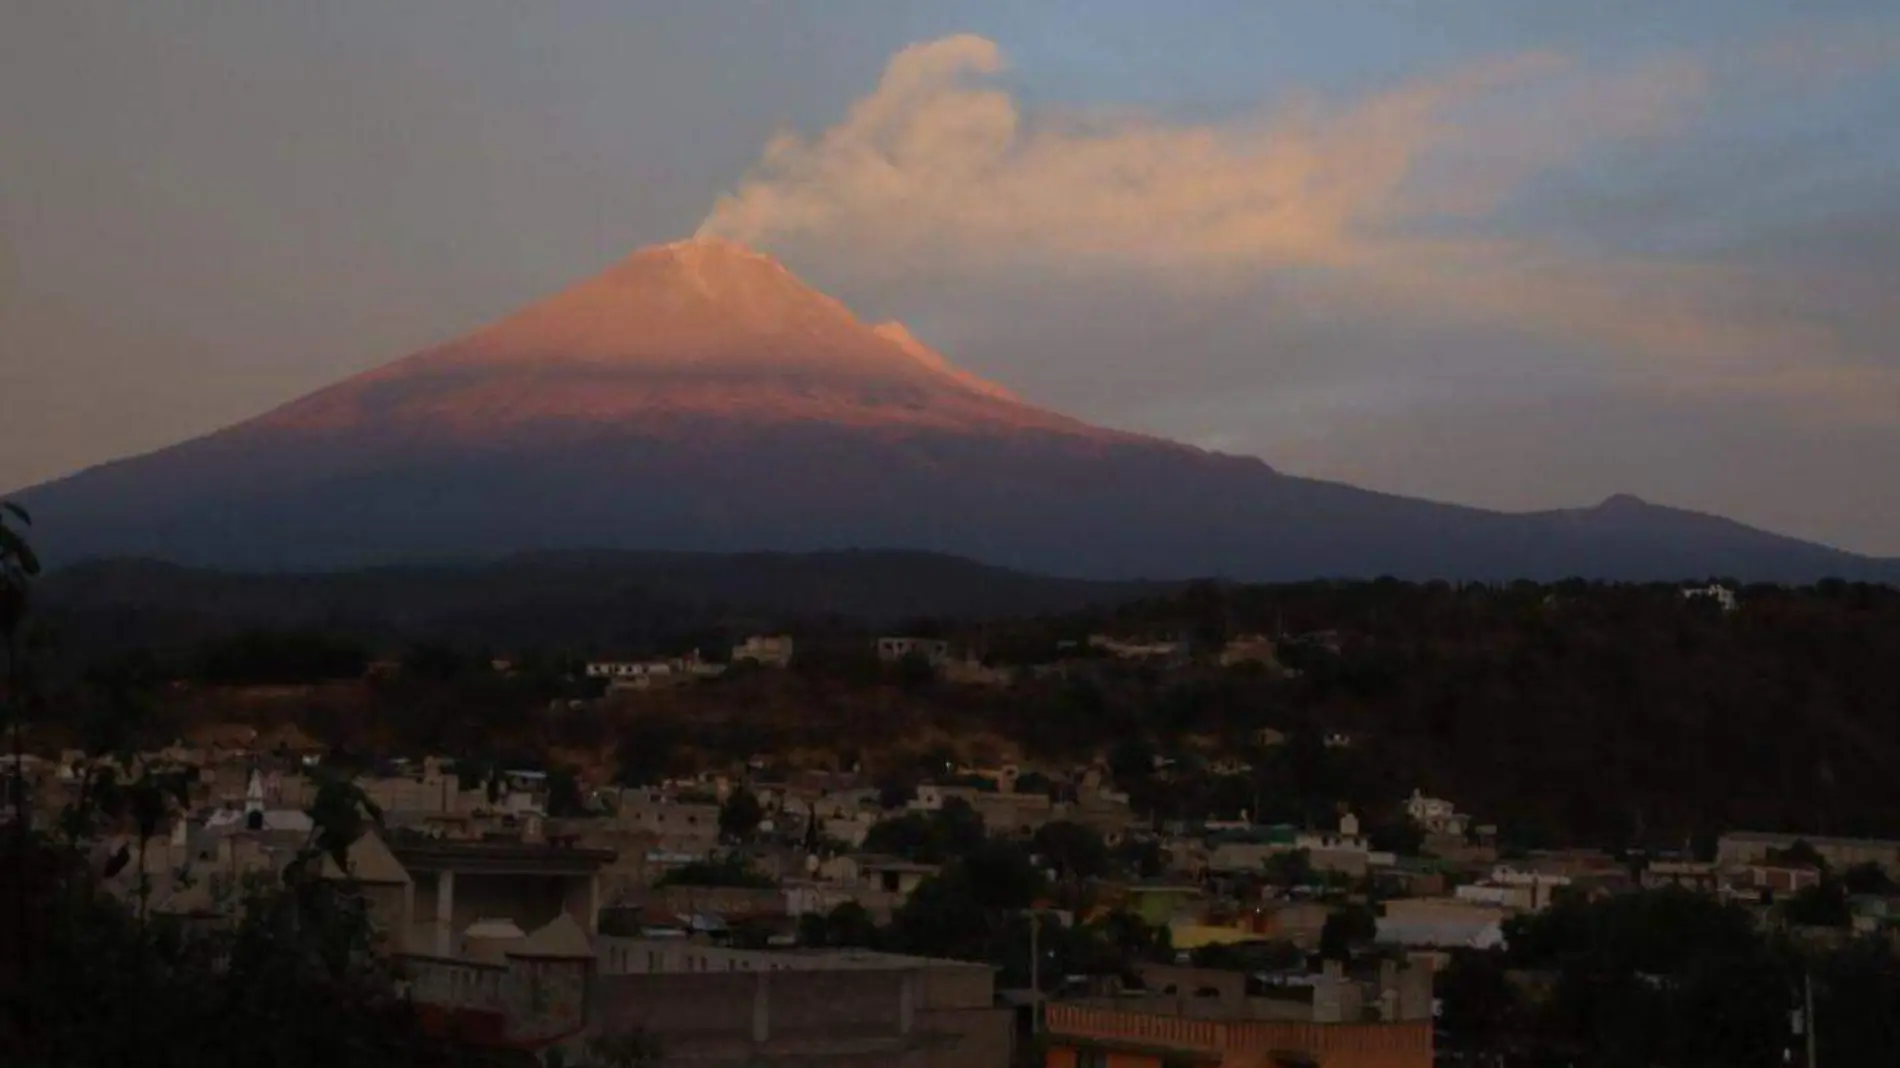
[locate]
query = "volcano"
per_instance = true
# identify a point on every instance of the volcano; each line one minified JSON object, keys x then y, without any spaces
{"x":699,"y":396}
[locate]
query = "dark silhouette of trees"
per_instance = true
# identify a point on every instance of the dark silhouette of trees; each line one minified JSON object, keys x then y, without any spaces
{"x":937,"y":837}
{"x":849,"y":925}
{"x":740,"y":816}
{"x":280,"y":657}
{"x":731,"y":870}
{"x":1347,"y":928}
{"x":1073,"y":850}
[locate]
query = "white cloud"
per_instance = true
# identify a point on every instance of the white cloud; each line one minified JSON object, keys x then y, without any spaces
{"x":937,"y":160}
{"x":1256,"y":280}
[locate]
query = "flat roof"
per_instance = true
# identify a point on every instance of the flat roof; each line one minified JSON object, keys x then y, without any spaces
{"x":1792,"y":837}
{"x":501,"y":858}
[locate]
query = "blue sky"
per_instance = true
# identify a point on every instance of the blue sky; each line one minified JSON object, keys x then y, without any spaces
{"x":1517,"y":255}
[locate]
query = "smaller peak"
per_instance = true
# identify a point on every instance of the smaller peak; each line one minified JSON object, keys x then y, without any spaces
{"x":1621,"y":502}
{"x":898,"y":332}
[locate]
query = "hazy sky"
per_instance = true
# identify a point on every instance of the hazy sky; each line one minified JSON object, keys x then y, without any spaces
{"x":1504,"y":253}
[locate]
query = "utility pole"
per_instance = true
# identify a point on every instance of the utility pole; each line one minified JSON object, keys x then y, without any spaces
{"x":1807,"y":1012}
{"x":1035,"y":972}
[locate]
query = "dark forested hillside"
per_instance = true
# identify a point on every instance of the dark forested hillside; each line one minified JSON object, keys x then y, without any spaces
{"x":1616,"y":713}
{"x":596,"y":602}
{"x":1575,"y":712}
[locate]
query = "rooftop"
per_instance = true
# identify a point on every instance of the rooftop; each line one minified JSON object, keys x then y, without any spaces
{"x":500,"y":858}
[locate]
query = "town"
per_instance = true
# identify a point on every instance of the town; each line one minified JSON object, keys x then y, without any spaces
{"x":945,"y":904}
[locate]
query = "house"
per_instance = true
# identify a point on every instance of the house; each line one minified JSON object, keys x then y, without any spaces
{"x":973,"y":672}
{"x":718,"y":1005}
{"x":1689,"y":875}
{"x":1773,"y":880}
{"x":456,"y":884}
{"x":678,"y":826}
{"x":1516,"y":889}
{"x":1722,"y":596}
{"x":644,"y":674}
{"x":628,"y":671}
{"x":1445,"y":924}
{"x":765,"y":650}
{"x":1344,"y":851}
{"x":1136,"y":650}
{"x":1435,"y":815}
{"x":1249,"y":649}
{"x":934,"y":651}
{"x":876,"y":873}
{"x":1004,"y":813}
{"x":931,"y":796}
{"x":1740,"y":848}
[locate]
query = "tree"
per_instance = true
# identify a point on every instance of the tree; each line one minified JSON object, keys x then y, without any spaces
{"x":1821,"y":905}
{"x":1352,"y":925}
{"x":435,"y":661}
{"x":1480,"y":1005}
{"x":1400,"y":836}
{"x":1131,"y":760}
{"x":895,"y":793}
{"x":1291,"y":867}
{"x":292,"y":979}
{"x":937,"y":837}
{"x":1248,"y":957}
{"x":1034,"y":782}
{"x":1141,"y":857}
{"x":740,"y":816}
{"x":1074,"y":850}
{"x":1799,"y":854}
{"x":725,"y":871}
{"x":966,"y":911}
{"x":564,"y":795}
{"x":915,"y":672}
{"x":1868,"y":878}
{"x":849,"y":925}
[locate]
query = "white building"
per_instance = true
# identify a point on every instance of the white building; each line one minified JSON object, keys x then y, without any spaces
{"x":1135,"y":650}
{"x":934,"y":650}
{"x":766,"y":650}
{"x":1435,"y":814}
{"x":1716,"y":592}
{"x":628,"y":669}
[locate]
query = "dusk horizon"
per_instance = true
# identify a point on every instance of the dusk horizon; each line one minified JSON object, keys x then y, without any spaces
{"x":1509,"y":261}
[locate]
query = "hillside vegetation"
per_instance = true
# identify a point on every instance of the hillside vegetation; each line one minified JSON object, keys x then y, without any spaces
{"x":1568,"y":713}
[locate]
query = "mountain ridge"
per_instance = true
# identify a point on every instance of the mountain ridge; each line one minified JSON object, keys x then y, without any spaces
{"x":698,"y":395}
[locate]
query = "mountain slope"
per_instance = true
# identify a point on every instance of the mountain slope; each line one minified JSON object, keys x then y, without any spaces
{"x":699,"y":396}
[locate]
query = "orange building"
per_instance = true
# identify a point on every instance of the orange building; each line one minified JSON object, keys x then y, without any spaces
{"x":1090,"y":1037}
{"x":1379,"y":1017}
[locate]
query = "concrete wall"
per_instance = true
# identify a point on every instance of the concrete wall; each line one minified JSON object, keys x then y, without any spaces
{"x":1248,"y":1044}
{"x":732,"y":1018}
{"x":723,"y":1005}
